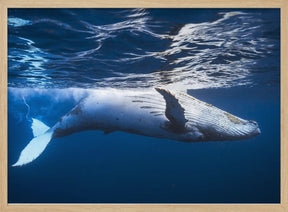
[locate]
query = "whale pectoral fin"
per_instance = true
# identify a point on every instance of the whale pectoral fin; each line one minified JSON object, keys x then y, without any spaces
{"x":174,"y":111}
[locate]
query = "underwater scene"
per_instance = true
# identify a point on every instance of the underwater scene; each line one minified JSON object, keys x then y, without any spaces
{"x":175,"y":60}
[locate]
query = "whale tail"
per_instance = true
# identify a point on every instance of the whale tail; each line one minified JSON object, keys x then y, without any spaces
{"x":42,"y":136}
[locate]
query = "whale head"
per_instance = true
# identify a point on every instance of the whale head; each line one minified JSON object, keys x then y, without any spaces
{"x":195,"y":120}
{"x":248,"y":130}
{"x":221,"y":127}
{"x":234,"y":130}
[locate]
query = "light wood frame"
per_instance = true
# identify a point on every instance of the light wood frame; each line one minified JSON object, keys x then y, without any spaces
{"x":5,"y":4}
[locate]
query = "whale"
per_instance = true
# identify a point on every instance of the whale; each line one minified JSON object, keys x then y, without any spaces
{"x":158,"y":112}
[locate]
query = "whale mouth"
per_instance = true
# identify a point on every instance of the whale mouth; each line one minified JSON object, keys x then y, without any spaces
{"x":245,"y":133}
{"x":253,"y":133}
{"x":255,"y":128}
{"x":257,"y":131}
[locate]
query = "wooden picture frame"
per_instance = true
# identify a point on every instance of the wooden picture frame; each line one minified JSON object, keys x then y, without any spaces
{"x":5,"y":4}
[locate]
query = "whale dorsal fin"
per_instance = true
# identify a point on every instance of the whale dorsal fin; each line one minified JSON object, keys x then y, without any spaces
{"x":174,"y":111}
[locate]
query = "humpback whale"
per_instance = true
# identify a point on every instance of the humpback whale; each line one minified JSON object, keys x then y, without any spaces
{"x":157,"y":113}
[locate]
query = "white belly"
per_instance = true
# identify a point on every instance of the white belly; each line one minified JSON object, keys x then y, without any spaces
{"x":133,"y":112}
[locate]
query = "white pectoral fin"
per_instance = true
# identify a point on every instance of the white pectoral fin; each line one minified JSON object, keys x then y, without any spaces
{"x":37,"y":145}
{"x":174,"y":111}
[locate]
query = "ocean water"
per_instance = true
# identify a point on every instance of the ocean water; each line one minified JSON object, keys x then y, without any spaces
{"x":227,"y":57}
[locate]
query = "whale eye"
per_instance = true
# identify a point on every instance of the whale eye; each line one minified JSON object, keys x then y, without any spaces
{"x":194,"y":136}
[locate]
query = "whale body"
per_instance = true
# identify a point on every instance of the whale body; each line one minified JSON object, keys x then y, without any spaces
{"x":156,"y":113}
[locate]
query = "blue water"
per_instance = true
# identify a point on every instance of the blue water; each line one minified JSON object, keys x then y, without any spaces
{"x":227,"y":57}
